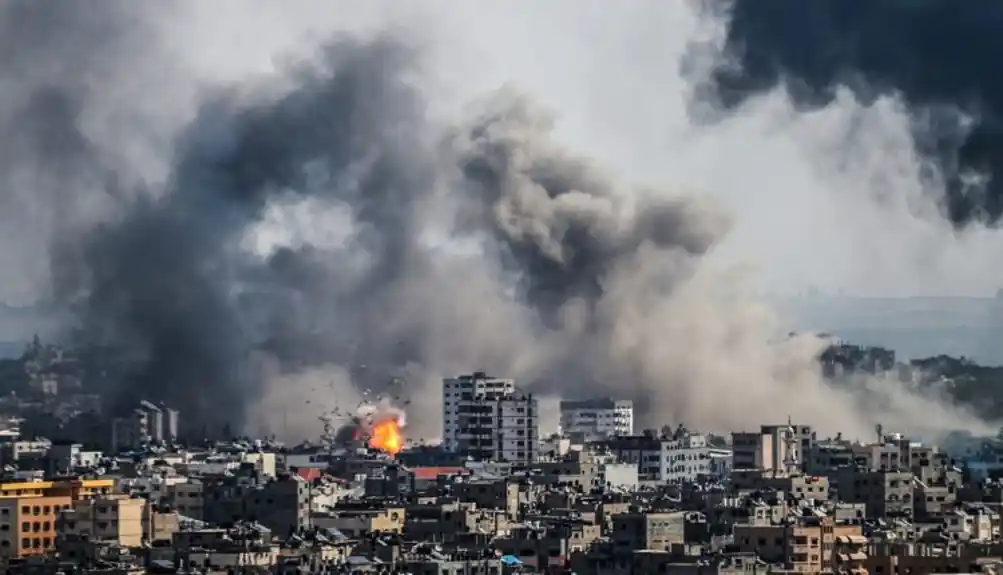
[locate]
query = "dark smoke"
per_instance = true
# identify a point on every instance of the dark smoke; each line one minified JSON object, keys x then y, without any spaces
{"x":170,"y":281}
{"x":937,"y":54}
{"x":558,"y":222}
{"x":55,"y":58}
{"x":322,"y":227}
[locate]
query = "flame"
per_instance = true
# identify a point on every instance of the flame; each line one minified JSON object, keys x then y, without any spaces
{"x":386,"y":435}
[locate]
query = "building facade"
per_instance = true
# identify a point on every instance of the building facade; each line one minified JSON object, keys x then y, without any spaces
{"x":682,"y":457}
{"x":115,"y":518}
{"x":489,"y":419}
{"x":775,"y":448}
{"x":28,"y":524}
{"x":148,"y":423}
{"x":597,"y":418}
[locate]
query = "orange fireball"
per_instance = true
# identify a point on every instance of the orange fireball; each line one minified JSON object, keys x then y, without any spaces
{"x":386,"y":435}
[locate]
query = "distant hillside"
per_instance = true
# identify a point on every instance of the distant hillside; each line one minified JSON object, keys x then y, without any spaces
{"x":913,"y":327}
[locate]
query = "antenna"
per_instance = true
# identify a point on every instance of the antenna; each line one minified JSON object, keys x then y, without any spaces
{"x":880,"y":431}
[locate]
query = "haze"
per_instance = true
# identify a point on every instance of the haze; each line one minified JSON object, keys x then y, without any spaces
{"x":656,"y":293}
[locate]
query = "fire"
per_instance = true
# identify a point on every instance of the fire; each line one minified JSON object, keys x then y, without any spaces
{"x":386,"y":435}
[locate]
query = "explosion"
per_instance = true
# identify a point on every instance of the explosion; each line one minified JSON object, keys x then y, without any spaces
{"x":386,"y":435}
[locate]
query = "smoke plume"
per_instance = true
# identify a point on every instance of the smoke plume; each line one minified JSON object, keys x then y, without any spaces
{"x":936,"y":58}
{"x":322,"y":230}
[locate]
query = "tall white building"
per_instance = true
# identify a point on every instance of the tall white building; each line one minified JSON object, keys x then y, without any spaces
{"x":597,"y":418}
{"x":489,"y":419}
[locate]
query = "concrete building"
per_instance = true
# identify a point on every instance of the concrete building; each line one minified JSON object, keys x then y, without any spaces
{"x":186,"y":497}
{"x":487,"y":418}
{"x":63,"y":458}
{"x":282,"y":505}
{"x":886,"y":494}
{"x":28,"y":524}
{"x":147,"y":423}
{"x":130,"y":431}
{"x":111,"y":518}
{"x":682,"y":457}
{"x":172,"y":424}
{"x":155,"y":421}
{"x":597,"y":418}
{"x":773,"y":448}
{"x":358,"y":521}
{"x":804,"y":545}
{"x":652,"y":530}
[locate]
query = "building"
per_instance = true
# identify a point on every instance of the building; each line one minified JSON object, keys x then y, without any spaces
{"x":803,"y":545}
{"x":597,"y":418}
{"x":28,"y":524}
{"x":487,"y":418}
{"x":171,"y":425}
{"x":886,"y":494}
{"x":775,"y":448}
{"x":155,"y":421}
{"x":112,"y":518}
{"x":281,"y":504}
{"x":359,"y":521}
{"x":64,"y":458}
{"x":682,"y":457}
{"x":130,"y":431}
{"x":147,"y":423}
{"x":648,"y":530}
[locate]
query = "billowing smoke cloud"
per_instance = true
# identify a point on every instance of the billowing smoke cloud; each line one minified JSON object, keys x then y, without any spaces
{"x":319,"y":233}
{"x":60,"y":71}
{"x":936,"y":57}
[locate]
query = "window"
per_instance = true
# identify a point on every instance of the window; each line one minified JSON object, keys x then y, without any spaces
{"x":25,"y":543}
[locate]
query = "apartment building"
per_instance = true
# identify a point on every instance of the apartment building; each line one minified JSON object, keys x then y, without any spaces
{"x":773,"y":448}
{"x":681,"y":457}
{"x":804,"y":545}
{"x":487,"y":418}
{"x":187,"y":498}
{"x":147,"y":423}
{"x":111,"y":518}
{"x":280,"y":504}
{"x":885,"y":493}
{"x":597,"y":418}
{"x":650,"y":530}
{"x":28,"y":524}
{"x":357,"y":521}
